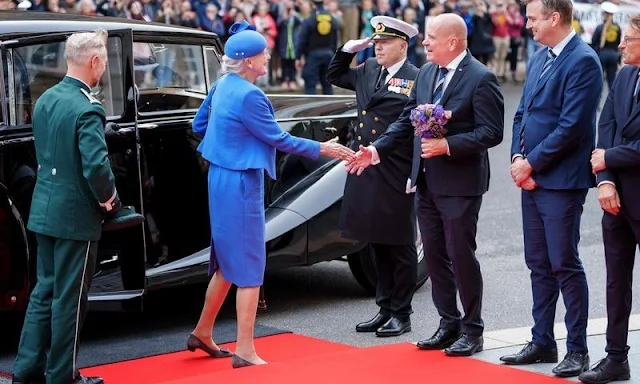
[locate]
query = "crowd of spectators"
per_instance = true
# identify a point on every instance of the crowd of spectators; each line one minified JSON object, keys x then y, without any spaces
{"x":497,"y":33}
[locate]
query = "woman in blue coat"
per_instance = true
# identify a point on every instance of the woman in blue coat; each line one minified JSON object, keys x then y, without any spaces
{"x":240,"y":138}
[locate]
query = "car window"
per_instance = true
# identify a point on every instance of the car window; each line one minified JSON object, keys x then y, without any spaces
{"x":213,"y":65}
{"x":39,"y":67}
{"x":169,"y":76}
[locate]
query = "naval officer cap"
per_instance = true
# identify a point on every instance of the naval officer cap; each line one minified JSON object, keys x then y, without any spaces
{"x":609,"y":7}
{"x":244,"y":41}
{"x":386,"y":27}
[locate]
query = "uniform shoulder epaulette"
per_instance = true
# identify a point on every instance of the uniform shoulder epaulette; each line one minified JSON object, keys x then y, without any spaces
{"x":92,"y":99}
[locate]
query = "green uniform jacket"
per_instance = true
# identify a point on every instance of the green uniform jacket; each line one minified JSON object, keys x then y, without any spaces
{"x":74,"y":172}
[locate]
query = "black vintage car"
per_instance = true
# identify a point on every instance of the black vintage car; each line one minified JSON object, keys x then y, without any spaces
{"x":157,"y":77}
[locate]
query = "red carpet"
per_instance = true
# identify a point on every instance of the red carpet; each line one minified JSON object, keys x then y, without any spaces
{"x":174,"y":366}
{"x":300,"y":359}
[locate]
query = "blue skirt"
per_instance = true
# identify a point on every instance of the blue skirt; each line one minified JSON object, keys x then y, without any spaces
{"x":236,"y":211}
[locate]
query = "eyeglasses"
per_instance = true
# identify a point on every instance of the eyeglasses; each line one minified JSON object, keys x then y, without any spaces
{"x":628,"y":39}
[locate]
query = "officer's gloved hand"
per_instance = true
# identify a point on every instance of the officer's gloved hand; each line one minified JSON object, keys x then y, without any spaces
{"x":112,"y":129}
{"x":353,"y":46}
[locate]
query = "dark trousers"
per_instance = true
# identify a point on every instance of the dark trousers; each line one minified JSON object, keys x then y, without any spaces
{"x":288,"y":69}
{"x":448,"y":225}
{"x":514,"y":46}
{"x":609,"y":59}
{"x":315,"y":69}
{"x":551,"y":226}
{"x":621,"y":236}
{"x":56,"y":310}
{"x":397,"y":267}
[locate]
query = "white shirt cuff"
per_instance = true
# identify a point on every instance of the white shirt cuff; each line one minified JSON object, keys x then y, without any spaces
{"x":516,"y":156}
{"x":409,"y":189}
{"x":606,"y":182}
{"x":448,"y":151}
{"x":375,"y":158}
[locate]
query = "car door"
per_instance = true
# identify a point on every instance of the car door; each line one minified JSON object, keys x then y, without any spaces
{"x":35,"y":64}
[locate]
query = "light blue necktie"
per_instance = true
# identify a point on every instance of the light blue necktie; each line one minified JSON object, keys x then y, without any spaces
{"x":547,"y":64}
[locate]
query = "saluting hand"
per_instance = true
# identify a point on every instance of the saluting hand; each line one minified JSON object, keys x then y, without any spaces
{"x":353,"y":46}
{"x":360,"y":161}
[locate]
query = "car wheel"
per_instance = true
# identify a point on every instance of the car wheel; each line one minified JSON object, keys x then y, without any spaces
{"x":363,"y":267}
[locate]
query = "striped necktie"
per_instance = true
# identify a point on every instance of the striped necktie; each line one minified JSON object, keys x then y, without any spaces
{"x":547,"y":64}
{"x":437,"y":94}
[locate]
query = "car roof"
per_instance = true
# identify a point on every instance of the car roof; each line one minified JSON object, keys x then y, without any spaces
{"x":30,"y":22}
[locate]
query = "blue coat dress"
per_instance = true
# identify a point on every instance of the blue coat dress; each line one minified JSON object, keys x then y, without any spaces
{"x":240,"y":138}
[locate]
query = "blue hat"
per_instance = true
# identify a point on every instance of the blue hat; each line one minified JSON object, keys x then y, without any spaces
{"x":244,"y":41}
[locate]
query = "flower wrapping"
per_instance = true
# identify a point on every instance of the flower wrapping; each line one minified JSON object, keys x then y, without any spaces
{"x":429,"y":121}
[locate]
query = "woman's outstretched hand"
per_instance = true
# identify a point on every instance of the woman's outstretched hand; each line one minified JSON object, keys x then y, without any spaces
{"x":336,"y":150}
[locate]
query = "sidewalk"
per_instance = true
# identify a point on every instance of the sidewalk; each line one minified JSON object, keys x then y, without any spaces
{"x":503,"y":342}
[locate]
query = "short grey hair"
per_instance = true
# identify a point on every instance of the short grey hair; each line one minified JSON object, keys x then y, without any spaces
{"x":563,"y":7}
{"x":230,"y":65}
{"x":82,"y":46}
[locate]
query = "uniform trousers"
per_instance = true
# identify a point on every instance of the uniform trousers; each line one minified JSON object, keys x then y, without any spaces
{"x":56,"y":310}
{"x":397,"y":265}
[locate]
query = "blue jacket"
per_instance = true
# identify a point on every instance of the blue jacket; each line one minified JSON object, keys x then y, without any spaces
{"x":243,"y":133}
{"x":558,"y":116}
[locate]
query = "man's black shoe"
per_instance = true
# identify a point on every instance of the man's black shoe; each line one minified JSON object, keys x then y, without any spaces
{"x":88,"y":380}
{"x":31,"y":380}
{"x":443,"y":338}
{"x":466,"y":345}
{"x":394,"y":327}
{"x":532,"y":354}
{"x":574,"y":363}
{"x":372,"y":325}
{"x":606,"y":371}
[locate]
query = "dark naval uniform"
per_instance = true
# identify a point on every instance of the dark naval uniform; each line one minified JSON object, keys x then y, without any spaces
{"x":317,"y":40}
{"x":376,"y":207}
{"x":74,"y":188}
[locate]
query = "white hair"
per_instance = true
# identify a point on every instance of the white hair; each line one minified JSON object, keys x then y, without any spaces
{"x":81,"y":47}
{"x":230,"y":65}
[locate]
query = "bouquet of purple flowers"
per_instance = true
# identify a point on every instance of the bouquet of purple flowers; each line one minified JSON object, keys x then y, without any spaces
{"x":429,"y":120}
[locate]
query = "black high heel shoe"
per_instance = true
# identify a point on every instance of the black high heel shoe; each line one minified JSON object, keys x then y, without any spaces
{"x":239,"y":362}
{"x":194,"y":343}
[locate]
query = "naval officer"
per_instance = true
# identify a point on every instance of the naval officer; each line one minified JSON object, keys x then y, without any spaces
{"x":74,"y":191}
{"x":377,"y":208}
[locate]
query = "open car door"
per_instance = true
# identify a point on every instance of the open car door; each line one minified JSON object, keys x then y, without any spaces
{"x":35,"y":64}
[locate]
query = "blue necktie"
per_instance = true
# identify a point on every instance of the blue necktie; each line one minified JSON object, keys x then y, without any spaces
{"x":547,"y":64}
{"x":437,"y":94}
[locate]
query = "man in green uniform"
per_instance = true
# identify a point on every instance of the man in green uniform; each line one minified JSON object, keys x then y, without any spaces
{"x":74,"y":192}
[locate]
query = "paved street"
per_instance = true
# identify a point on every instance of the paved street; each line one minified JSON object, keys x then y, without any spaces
{"x":325,"y":301}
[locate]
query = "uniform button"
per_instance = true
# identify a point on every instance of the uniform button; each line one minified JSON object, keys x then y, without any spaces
{"x":359,"y":138}
{"x":361,"y":125}
{"x":39,"y":167}
{"x":364,"y":112}
{"x":53,"y":172}
{"x":624,"y":139}
{"x":373,"y":131}
{"x":376,"y":119}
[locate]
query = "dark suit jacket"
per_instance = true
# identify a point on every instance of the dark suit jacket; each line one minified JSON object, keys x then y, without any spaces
{"x":474,"y":97}
{"x":377,"y":197}
{"x":558,"y":115}
{"x":619,"y":136}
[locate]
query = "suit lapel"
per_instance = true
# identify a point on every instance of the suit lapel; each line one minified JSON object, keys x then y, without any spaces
{"x":554,"y":66}
{"x":455,"y":79}
{"x":632,"y":108}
